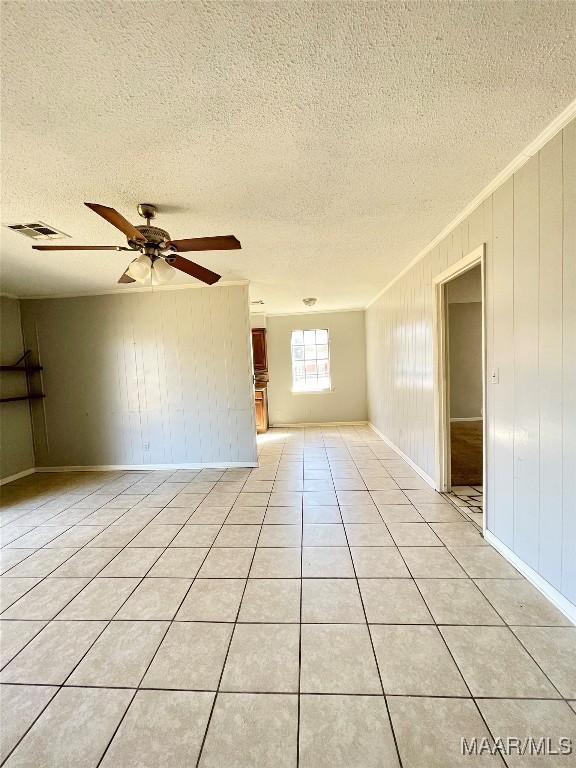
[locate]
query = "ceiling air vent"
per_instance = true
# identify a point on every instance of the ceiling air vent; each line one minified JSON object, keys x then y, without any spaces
{"x":37,"y":231}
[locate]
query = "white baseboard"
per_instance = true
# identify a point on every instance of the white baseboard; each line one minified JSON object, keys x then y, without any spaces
{"x":17,"y":476}
{"x":551,"y":593}
{"x":467,"y":418}
{"x":151,"y":467}
{"x":402,"y":455}
{"x":320,"y":424}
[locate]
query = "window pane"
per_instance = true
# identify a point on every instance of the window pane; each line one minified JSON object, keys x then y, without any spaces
{"x":297,"y":353}
{"x":323,"y":367}
{"x":311,"y":368}
{"x":310,"y":352}
{"x":297,"y":337}
{"x":309,"y":337}
{"x":321,"y":337}
{"x":322,"y":351}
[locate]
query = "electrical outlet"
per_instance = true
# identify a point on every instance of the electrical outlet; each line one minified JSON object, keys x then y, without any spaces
{"x":146,"y":446}
{"x":495,"y":377}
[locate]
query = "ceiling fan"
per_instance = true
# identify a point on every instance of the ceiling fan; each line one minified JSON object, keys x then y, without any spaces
{"x":159,"y":255}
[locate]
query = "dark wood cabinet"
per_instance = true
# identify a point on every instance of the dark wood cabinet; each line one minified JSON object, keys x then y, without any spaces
{"x":259,"y":354}
{"x":260,"y":362}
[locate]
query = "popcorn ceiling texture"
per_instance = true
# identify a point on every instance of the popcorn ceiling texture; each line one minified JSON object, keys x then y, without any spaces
{"x":334,"y":139}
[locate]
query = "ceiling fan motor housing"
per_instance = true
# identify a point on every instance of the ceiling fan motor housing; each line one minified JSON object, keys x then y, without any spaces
{"x":153,"y":235}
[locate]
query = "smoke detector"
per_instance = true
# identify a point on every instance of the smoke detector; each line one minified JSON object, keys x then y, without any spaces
{"x":37,"y":231}
{"x":310,"y":301}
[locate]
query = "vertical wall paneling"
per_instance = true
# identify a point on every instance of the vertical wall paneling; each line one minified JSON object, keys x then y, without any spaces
{"x":529,"y":227}
{"x":569,"y":365}
{"x":159,"y":377}
{"x":526,"y":368}
{"x":550,"y":311}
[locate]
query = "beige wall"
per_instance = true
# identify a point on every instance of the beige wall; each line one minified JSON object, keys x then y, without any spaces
{"x":16,"y":446}
{"x":465,"y":355}
{"x":347,"y":401}
{"x":529,"y":227}
{"x":144,"y":378}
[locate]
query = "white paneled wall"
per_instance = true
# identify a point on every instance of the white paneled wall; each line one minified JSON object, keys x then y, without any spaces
{"x":529,"y":227}
{"x":160,"y":377}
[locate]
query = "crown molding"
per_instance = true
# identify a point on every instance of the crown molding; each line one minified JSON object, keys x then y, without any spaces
{"x":559,"y":122}
{"x":139,"y":289}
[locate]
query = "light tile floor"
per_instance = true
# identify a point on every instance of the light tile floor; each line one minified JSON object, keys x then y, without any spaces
{"x":325,"y":609}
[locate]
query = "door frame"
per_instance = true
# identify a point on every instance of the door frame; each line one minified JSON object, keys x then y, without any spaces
{"x":441,"y":368}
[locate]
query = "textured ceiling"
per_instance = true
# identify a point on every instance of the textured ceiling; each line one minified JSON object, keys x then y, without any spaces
{"x":334,"y":139}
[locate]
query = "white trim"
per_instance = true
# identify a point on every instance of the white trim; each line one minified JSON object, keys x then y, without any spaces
{"x":514,"y":165}
{"x":4,"y":295}
{"x":466,"y":418}
{"x":441,"y":378}
{"x":328,"y":391}
{"x":320,"y":423}
{"x":141,"y":467}
{"x":314,"y":312}
{"x":551,"y":593}
{"x":136,"y":289}
{"x":17,"y":476}
{"x":402,"y":455}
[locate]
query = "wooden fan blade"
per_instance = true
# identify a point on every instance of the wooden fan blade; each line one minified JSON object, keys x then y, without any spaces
{"x":117,"y":220}
{"x":79,"y":248}
{"x":195,"y":270}
{"x":224,"y":243}
{"x":125,"y":278}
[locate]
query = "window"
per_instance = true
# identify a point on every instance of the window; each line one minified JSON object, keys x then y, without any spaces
{"x":310,"y":361}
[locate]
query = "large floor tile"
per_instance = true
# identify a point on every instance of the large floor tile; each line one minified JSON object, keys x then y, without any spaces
{"x":518,"y":602}
{"x":73,"y":730}
{"x":324,"y":535}
{"x":162,"y":729}
{"x":212,"y":600}
{"x":179,"y":562}
{"x":133,"y":563}
{"x":271,"y":600}
{"x":413,"y":535}
{"x":554,"y":649}
{"x":249,"y":730}
{"x":87,"y":562}
{"x":237,"y":536}
{"x":457,"y":601}
{"x":338,"y":658}
{"x":378,"y":562}
{"x":429,"y":732}
{"x":262,"y":657}
{"x":368,"y":535}
{"x":526,"y":719}
{"x":345,"y":732}
{"x":414,"y":661}
{"x":191,"y":656}
{"x":458,"y":534}
{"x":432,"y":563}
{"x":155,"y":599}
{"x":393,"y":601}
{"x":121,"y":654}
{"x":484,"y":563}
{"x":227,"y":563}
{"x":42,"y":562}
{"x":331,"y":601}
{"x":276,"y":563}
{"x":20,"y":705}
{"x":51,"y":656}
{"x":195,"y":536}
{"x":45,"y":599}
{"x":280,"y":536}
{"x":100,"y":599}
{"x":494,"y":663}
{"x":326,"y":562}
{"x":14,"y":635}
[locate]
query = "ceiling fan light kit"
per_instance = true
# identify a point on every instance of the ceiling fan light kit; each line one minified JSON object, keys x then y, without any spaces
{"x":159,"y":255}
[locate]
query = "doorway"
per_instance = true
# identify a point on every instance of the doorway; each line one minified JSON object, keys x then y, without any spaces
{"x":460,"y":384}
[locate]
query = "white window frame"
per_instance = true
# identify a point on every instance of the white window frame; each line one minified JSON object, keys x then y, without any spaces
{"x":305,"y":387}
